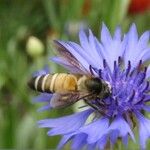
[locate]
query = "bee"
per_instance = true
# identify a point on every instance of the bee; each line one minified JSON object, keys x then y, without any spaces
{"x":70,"y":88}
{"x":67,"y":89}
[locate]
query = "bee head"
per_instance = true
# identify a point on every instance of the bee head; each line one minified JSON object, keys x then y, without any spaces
{"x":98,"y":87}
{"x":94,"y":85}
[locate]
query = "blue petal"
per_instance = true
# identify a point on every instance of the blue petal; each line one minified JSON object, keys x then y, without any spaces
{"x":102,"y":142}
{"x":131,"y":50}
{"x":95,"y":52}
{"x":144,"y":129}
{"x":125,"y":140}
{"x":144,"y":40}
{"x":46,"y":107}
{"x":148,"y":72}
{"x":93,"y":57}
{"x":114,"y":136}
{"x":146,"y":108}
{"x":111,"y":49}
{"x":87,"y":56}
{"x":136,"y":50}
{"x":105,"y":35}
{"x":89,"y":47}
{"x":78,"y":141}
{"x":117,"y":34}
{"x":95,"y":130}
{"x":66,"y":124}
{"x":116,"y":49}
{"x":84,"y":41}
{"x":91,"y":146}
{"x":101,"y":51}
{"x":64,"y":140}
{"x":145,"y":54}
{"x":43,"y":97}
{"x":121,"y":127}
{"x":45,"y":70}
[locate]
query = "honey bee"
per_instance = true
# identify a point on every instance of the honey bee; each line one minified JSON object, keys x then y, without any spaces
{"x":67,"y":89}
{"x":70,"y":88}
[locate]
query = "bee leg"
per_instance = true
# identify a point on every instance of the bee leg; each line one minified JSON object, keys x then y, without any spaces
{"x":87,"y":102}
{"x":100,"y":103}
{"x":95,"y":107}
{"x":83,"y":106}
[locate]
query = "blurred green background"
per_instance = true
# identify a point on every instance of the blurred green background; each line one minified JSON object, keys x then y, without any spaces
{"x":27,"y":29}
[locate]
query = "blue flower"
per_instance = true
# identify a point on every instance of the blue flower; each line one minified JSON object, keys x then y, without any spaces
{"x":121,"y":62}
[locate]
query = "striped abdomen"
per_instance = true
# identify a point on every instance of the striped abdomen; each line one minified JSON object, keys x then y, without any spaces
{"x":58,"y":82}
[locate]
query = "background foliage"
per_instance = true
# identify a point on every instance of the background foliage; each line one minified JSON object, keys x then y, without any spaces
{"x":20,"y":56}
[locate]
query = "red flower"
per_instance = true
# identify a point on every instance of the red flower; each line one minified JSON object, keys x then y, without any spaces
{"x":139,"y":6}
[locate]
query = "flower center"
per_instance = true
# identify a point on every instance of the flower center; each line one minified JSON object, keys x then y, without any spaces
{"x":129,"y":88}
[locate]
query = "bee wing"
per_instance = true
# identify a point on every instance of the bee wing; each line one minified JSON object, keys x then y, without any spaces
{"x":60,"y":100}
{"x":72,"y":61}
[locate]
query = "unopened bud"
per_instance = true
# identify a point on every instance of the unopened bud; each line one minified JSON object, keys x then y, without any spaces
{"x":34,"y":47}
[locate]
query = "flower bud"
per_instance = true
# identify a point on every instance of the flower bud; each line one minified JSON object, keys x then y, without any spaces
{"x":34,"y":47}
